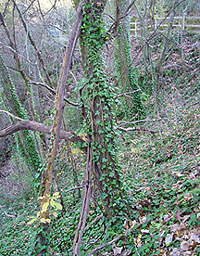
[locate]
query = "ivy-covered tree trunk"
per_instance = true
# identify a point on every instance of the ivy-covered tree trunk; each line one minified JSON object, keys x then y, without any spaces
{"x":26,"y":140}
{"x":123,"y":62}
{"x":97,"y":108}
{"x":98,"y":100}
{"x":30,"y":145}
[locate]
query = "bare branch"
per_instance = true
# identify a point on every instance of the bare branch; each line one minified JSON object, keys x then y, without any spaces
{"x":163,"y":20}
{"x":85,"y":204}
{"x":111,"y":242}
{"x":116,"y":24}
{"x":136,"y":129}
{"x":71,"y":189}
{"x":6,"y":7}
{"x":39,"y":127}
{"x":8,"y":215}
{"x":53,"y":92}
{"x":29,"y":6}
{"x":128,"y":93}
{"x":13,"y":116}
{"x":33,"y":44}
{"x":20,"y":55}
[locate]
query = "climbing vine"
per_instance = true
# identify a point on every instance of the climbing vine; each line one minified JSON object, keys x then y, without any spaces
{"x":128,"y":81}
{"x":26,"y":145}
{"x":99,"y":98}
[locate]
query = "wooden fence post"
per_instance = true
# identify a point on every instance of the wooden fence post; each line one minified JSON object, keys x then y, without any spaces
{"x":135,"y":28}
{"x":155,"y":24}
{"x":184,"y":21}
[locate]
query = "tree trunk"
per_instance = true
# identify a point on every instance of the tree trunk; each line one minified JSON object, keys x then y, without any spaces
{"x":123,"y":62}
{"x":27,"y":142}
{"x":46,"y":184}
{"x":98,"y":98}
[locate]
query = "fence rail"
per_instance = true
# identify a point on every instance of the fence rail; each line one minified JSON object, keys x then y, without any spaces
{"x":190,"y":23}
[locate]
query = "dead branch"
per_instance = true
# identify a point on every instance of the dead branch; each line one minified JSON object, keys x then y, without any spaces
{"x":8,"y":215}
{"x":94,"y":241}
{"x":71,"y":189}
{"x":111,"y":242}
{"x":47,"y":173}
{"x":24,"y":12}
{"x":13,"y":116}
{"x":33,"y":44}
{"x":39,"y":127}
{"x":140,"y":129}
{"x":128,"y":93}
{"x":114,"y":27}
{"x":53,"y":92}
{"x":85,"y":205}
{"x":6,"y":8}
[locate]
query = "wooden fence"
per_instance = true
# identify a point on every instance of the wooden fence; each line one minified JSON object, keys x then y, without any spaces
{"x":189,"y":23}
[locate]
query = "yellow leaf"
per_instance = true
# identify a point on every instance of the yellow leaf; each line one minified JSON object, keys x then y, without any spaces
{"x":58,"y":206}
{"x":56,"y":194}
{"x":43,"y":220}
{"x":45,"y":206}
{"x":31,"y":221}
{"x":38,"y":214}
{"x":53,"y":203}
{"x":55,"y":214}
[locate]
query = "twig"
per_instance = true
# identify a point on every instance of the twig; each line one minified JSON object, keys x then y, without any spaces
{"x":6,"y":7}
{"x":136,"y":129}
{"x":13,"y":116}
{"x":128,"y":93}
{"x":143,"y":120}
{"x":28,"y":7}
{"x":99,"y":237}
{"x":111,"y":242}
{"x":52,"y":7}
{"x":33,"y":43}
{"x":20,"y":55}
{"x":94,"y":221}
{"x":8,"y":215}
{"x":115,"y":25}
{"x":71,"y":189}
{"x":53,"y":92}
{"x":163,"y":20}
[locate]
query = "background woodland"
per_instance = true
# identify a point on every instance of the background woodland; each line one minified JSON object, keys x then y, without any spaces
{"x":99,"y":127}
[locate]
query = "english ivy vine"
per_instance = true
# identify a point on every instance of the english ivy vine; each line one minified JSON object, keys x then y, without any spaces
{"x":99,"y":99}
{"x":27,"y":146}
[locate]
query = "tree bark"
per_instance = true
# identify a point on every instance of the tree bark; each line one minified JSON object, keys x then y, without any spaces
{"x":35,"y":126}
{"x":46,"y":184}
{"x":123,"y":60}
{"x":98,"y":104}
{"x":12,"y":102}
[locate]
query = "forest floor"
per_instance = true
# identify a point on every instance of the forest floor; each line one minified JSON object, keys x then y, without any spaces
{"x":161,"y":175}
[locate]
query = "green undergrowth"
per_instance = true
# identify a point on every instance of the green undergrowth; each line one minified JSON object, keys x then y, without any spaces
{"x":161,"y":175}
{"x":164,"y":183}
